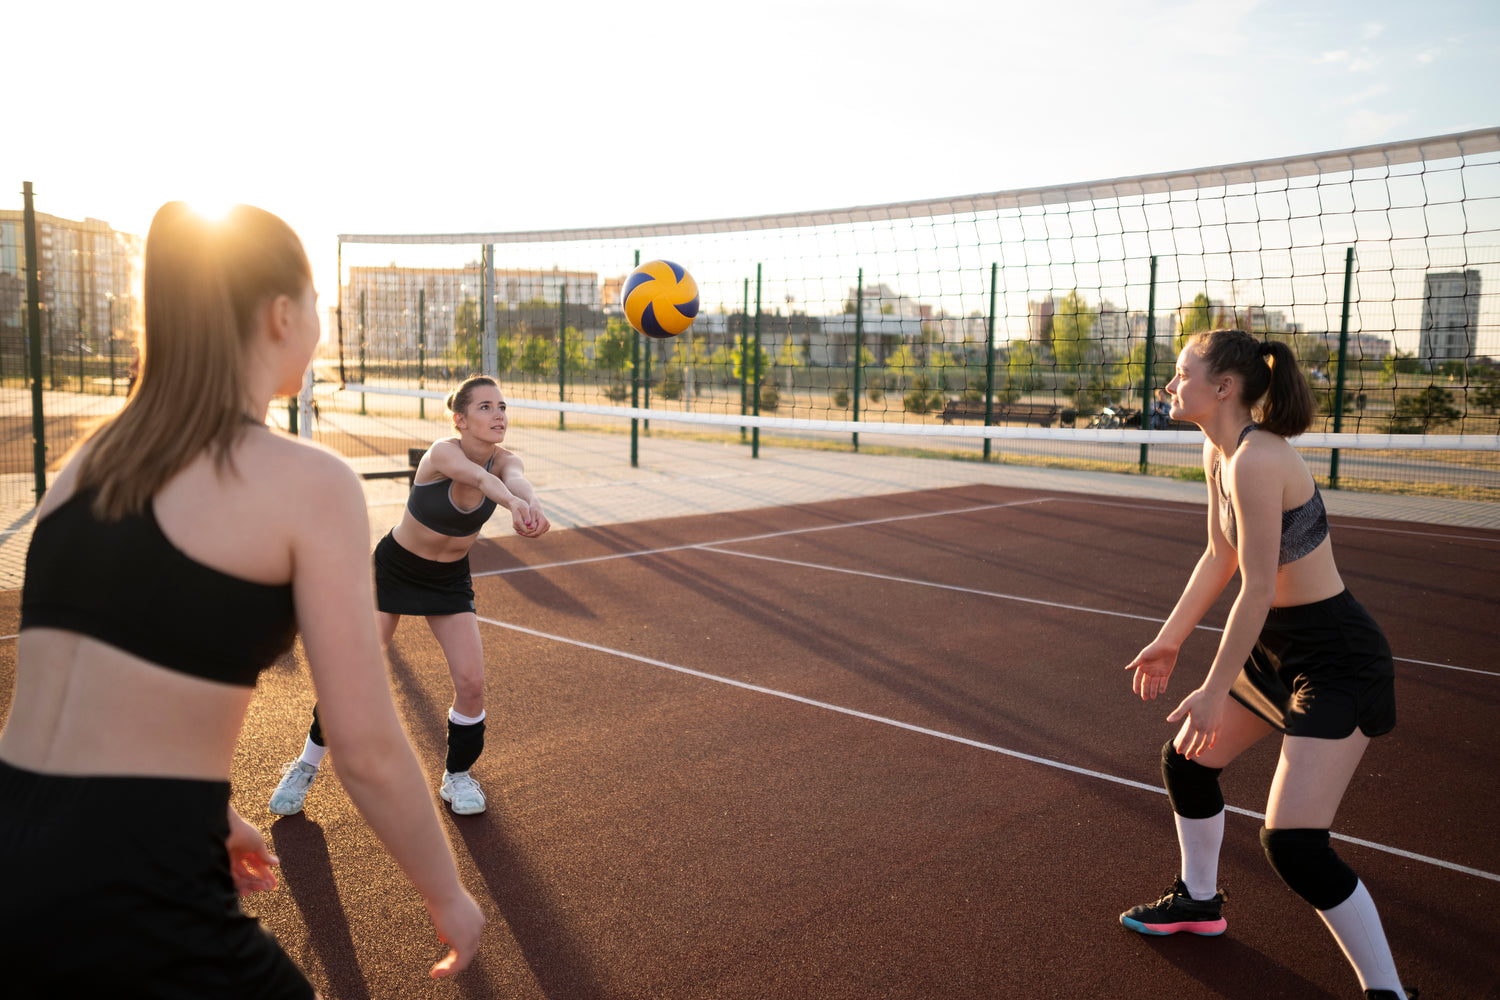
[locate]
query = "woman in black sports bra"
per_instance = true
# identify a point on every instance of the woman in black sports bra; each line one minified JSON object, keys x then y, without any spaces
{"x":1299,"y":656}
{"x":422,"y":568}
{"x":166,"y":570}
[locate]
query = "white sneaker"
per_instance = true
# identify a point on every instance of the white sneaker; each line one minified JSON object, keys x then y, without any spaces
{"x":296,"y":780}
{"x":462,"y":793}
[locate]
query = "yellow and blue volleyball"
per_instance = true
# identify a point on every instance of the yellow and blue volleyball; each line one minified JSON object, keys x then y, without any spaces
{"x":660,"y":299}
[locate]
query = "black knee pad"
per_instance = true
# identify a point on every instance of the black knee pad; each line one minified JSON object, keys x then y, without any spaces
{"x":1193,"y":788}
{"x":1308,"y":866}
{"x":315,"y":731}
{"x":465,"y":744}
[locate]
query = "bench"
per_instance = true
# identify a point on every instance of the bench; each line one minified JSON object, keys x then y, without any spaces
{"x":413,"y":459}
{"x":1041,"y":414}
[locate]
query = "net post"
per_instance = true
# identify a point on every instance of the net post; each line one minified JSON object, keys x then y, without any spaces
{"x":34,"y":333}
{"x":562,"y":350}
{"x":755,"y":369}
{"x":635,"y":386}
{"x":1338,"y":392}
{"x":489,"y":334}
{"x":1148,"y":402}
{"x":859,"y":343}
{"x":421,"y":351}
{"x":989,"y":357}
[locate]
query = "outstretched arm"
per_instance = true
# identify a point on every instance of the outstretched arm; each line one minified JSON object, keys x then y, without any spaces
{"x":336,"y":615}
{"x":1153,"y":665}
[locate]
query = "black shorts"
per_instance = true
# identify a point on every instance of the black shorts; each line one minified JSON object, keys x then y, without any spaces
{"x":1321,"y":670}
{"x":120,"y":887}
{"x":407,"y":584}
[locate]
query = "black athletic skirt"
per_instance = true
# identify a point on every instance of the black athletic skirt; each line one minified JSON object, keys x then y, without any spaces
{"x":1321,"y":670}
{"x":407,"y":584}
{"x":120,"y":887}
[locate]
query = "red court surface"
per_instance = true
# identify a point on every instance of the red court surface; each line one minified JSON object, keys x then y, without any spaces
{"x":884,"y":748}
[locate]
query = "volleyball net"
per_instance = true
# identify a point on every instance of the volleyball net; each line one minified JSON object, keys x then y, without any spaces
{"x":1009,"y":323}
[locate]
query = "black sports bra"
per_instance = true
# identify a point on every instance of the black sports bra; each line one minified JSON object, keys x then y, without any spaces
{"x":1303,"y":528}
{"x":125,"y":583}
{"x":433,"y":507}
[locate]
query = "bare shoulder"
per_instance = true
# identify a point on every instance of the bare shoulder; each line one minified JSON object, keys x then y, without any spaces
{"x":298,"y":468}
{"x":1264,"y":459}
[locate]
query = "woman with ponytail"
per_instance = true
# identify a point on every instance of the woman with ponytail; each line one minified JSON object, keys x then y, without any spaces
{"x":1299,"y":656}
{"x":177,"y":555}
{"x":422,"y":568}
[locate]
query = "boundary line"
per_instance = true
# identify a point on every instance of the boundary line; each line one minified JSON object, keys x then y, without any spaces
{"x":950,"y":737}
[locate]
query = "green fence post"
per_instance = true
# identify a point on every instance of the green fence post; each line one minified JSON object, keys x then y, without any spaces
{"x":562,"y":351}
{"x":755,"y":369}
{"x":859,"y":344}
{"x":1338,"y":392}
{"x":362,"y":338}
{"x":421,"y":351}
{"x":1148,"y":400}
{"x":111,"y":300}
{"x":635,"y":385}
{"x":744,"y":345}
{"x":989,"y":358}
{"x":34,"y":331}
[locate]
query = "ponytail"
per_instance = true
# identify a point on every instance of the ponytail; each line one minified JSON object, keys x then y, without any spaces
{"x":1287,"y":408}
{"x":1271,"y":381}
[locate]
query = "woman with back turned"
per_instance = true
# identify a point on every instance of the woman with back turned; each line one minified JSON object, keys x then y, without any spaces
{"x":1299,"y":656}
{"x":422,"y":568}
{"x":169,"y":567}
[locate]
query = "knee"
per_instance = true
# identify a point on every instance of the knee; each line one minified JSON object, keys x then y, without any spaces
{"x":1192,"y":788}
{"x":468,"y":686}
{"x":1309,"y":866}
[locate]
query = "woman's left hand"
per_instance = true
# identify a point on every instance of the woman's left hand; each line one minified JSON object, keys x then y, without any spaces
{"x":1204,"y":713}
{"x":249,"y":861}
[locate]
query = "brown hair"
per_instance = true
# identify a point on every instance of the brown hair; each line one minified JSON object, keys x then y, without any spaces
{"x":458,"y":399}
{"x":204,"y":285}
{"x":1270,"y":379}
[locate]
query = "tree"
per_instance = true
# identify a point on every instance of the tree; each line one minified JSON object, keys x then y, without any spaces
{"x":537,"y":357}
{"x":741,"y":354}
{"x":1419,"y":414}
{"x":1486,"y":393}
{"x":1072,"y":322}
{"x":1022,"y":368}
{"x":614,"y":349}
{"x":1396,"y":364}
{"x":468,"y":335}
{"x":900,"y":362}
{"x":1195,"y":317}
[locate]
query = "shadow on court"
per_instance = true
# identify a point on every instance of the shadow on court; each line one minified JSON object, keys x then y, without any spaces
{"x":882,"y":748}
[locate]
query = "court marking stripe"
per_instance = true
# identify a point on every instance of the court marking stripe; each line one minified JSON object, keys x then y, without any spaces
{"x":950,"y":737}
{"x":1334,"y":519}
{"x":761,"y":537}
{"x":712,"y":547}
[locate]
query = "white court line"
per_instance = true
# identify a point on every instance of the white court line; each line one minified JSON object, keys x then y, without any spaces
{"x":950,"y":737}
{"x":756,"y":538}
{"x":712,"y":547}
{"x":1336,"y":518}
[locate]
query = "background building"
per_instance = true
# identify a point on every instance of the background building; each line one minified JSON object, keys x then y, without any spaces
{"x":1450,"y":317}
{"x":90,"y":276}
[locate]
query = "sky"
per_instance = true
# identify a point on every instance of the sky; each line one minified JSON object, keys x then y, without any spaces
{"x":467,"y":116}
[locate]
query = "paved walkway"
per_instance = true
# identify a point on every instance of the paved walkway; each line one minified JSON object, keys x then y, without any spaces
{"x":584,"y":482}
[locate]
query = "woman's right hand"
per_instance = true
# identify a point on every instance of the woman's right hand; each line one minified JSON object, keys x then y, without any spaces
{"x":1153,"y":666}
{"x":458,"y":922}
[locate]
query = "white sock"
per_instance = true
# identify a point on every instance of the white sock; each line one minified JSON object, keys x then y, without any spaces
{"x":1356,"y":927}
{"x":312,"y":753}
{"x":464,"y":720}
{"x":1199,"y":840}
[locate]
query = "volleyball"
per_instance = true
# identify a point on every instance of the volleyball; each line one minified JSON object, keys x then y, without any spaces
{"x":660,"y":299}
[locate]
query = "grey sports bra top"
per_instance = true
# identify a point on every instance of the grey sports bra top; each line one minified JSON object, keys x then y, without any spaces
{"x":1303,"y":528}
